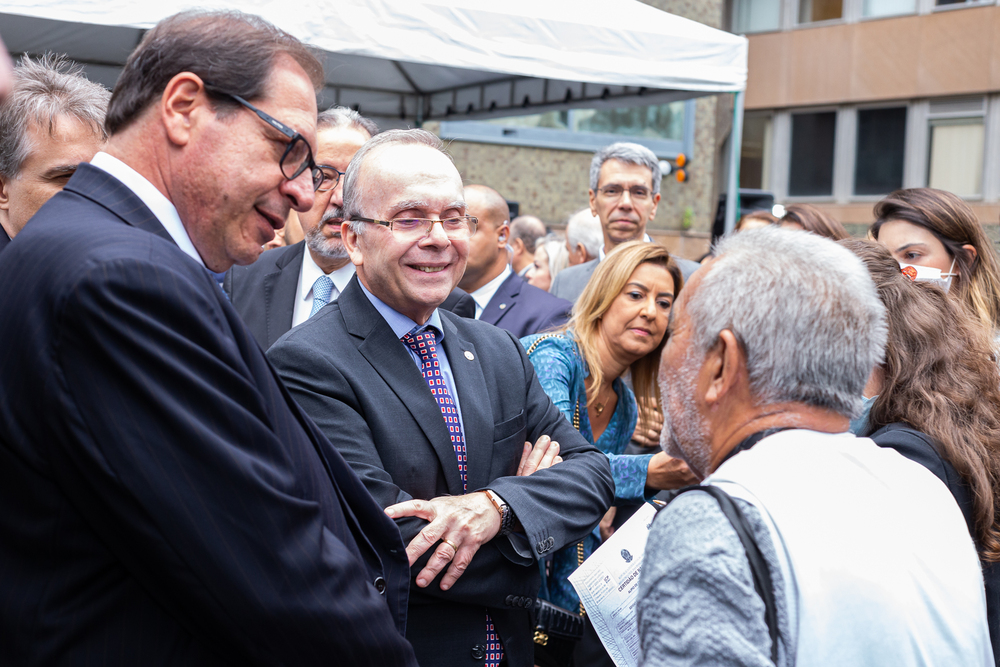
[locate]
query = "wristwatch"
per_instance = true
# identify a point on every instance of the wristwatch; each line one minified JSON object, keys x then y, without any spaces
{"x":506,"y":514}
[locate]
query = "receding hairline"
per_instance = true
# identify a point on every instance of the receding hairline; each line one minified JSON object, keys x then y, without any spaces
{"x":494,"y":204}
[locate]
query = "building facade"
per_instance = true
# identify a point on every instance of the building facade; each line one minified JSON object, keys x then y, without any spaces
{"x":848,"y":100}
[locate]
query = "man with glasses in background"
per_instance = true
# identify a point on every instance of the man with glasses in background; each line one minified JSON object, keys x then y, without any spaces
{"x":163,"y":501}
{"x":624,"y":192}
{"x":436,"y":412}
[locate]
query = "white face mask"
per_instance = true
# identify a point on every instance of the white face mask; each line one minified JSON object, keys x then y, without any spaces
{"x":929,"y":274}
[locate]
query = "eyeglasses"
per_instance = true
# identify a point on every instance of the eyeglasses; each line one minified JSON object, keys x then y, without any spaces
{"x":637,"y":192}
{"x":331,"y":176}
{"x":298,"y":155}
{"x":457,"y":229}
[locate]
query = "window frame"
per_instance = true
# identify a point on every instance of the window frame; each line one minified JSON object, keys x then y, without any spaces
{"x":477,"y":131}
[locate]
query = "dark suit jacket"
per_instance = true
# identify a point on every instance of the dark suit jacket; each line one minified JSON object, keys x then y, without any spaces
{"x":348,"y":370}
{"x":263,"y":293}
{"x":4,"y":239}
{"x":163,"y":500}
{"x":523,"y":309}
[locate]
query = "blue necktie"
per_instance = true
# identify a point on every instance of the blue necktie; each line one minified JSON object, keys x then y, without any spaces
{"x":422,"y":341}
{"x":322,"y":289}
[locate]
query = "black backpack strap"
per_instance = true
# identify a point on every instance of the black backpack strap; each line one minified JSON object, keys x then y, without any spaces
{"x":759,"y":570}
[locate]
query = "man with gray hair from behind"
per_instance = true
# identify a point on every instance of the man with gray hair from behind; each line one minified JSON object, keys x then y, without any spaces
{"x":804,"y":545}
{"x":52,"y":120}
{"x":583,"y":236}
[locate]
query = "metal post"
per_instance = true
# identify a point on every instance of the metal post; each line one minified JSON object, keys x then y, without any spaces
{"x":735,"y":147}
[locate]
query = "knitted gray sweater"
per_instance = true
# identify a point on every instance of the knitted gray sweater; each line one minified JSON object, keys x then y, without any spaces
{"x":697,"y":604}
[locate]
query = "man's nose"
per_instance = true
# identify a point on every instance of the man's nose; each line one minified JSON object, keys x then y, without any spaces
{"x":299,"y":191}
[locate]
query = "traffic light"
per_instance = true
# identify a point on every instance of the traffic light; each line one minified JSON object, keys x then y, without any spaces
{"x":680,"y":173}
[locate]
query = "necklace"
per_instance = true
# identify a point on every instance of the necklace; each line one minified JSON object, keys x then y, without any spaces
{"x":599,"y":408}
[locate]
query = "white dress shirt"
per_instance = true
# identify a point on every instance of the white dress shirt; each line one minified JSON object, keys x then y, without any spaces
{"x":155,"y":200}
{"x":484,"y":294}
{"x":601,"y":253}
{"x":307,"y":277}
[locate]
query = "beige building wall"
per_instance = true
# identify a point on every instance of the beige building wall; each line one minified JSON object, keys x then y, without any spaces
{"x":552,"y":184}
{"x":940,"y":54}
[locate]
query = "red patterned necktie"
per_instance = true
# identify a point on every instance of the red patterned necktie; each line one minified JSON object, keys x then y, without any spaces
{"x":422,"y":341}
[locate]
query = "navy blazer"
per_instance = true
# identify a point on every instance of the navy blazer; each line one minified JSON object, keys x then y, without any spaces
{"x":263,"y":293}
{"x":523,"y":309}
{"x":348,"y":370}
{"x":4,"y":239}
{"x":163,"y":500}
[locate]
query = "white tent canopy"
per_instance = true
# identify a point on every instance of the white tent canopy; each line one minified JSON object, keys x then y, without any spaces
{"x":419,"y":60}
{"x":408,"y":61}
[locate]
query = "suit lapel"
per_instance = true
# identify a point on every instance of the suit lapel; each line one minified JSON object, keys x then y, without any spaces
{"x":503,"y":300}
{"x":103,"y":188}
{"x":280,"y":288}
{"x":386,"y":354}
{"x":474,"y":401}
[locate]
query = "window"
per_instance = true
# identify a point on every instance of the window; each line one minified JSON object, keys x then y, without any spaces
{"x":756,"y":15}
{"x":881,"y":142}
{"x":811,"y":169}
{"x":667,"y":129}
{"x":811,"y":11}
{"x":956,"y":159}
{"x":872,"y":8}
{"x":755,"y":155}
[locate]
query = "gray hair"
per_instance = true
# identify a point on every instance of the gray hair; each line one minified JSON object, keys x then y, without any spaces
{"x":344,"y":117}
{"x":629,"y":154}
{"x":555,"y":249}
{"x":356,"y":193}
{"x":584,"y":227}
{"x":529,"y":229}
{"x":804,"y":309}
{"x":45,"y":89}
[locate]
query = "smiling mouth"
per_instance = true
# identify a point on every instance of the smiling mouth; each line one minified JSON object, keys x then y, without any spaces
{"x":430,"y":269}
{"x":275,"y":222}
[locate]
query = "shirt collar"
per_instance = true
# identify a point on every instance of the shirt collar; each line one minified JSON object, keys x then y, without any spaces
{"x":645,"y":237}
{"x":484,"y":294}
{"x":155,"y":200}
{"x":311,"y":271}
{"x":399,"y":323}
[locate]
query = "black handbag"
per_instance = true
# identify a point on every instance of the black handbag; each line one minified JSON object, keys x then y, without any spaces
{"x":556,"y":633}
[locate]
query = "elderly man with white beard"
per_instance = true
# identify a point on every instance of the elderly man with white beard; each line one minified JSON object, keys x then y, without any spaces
{"x":824,"y":549}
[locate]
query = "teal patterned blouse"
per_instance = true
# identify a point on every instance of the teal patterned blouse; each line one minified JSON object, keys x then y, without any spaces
{"x":561,"y":371}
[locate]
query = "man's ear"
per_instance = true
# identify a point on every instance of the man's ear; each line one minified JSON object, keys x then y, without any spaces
{"x":4,"y":196}
{"x":723,"y":367}
{"x":593,"y":202}
{"x":517,"y":245}
{"x":503,"y":235}
{"x":182,"y":106}
{"x":349,"y":237}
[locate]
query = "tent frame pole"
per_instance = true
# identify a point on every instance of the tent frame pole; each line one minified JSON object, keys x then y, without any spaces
{"x":735,"y":148}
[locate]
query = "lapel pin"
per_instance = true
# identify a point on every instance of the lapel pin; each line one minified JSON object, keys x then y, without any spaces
{"x":502,"y":306}
{"x":468,"y":355}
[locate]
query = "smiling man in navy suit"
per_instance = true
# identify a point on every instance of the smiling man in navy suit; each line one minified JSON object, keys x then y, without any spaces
{"x":163,"y":501}
{"x":435,"y":412}
{"x":502,"y":297}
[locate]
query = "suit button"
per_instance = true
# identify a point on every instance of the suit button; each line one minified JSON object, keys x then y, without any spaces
{"x":540,"y":547}
{"x":527,"y":602}
{"x":510,"y":601}
{"x":478,"y":652}
{"x":380,"y":585}
{"x":549,"y":543}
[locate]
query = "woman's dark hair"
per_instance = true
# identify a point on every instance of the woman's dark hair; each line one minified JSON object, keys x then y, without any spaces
{"x":954,"y":224}
{"x":941,"y":378}
{"x":233,"y":51}
{"x":816,"y":221}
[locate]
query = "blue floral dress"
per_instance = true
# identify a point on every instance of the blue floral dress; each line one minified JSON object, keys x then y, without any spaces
{"x":561,"y":371}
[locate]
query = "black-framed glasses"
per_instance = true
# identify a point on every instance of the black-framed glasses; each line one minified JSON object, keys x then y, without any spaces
{"x":457,"y":229}
{"x":636,"y":192}
{"x":297,"y":156}
{"x":331,"y":176}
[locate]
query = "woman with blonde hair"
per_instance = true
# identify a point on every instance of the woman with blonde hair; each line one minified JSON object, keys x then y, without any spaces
{"x":618,"y":326}
{"x":551,"y":257}
{"x":939,"y":235}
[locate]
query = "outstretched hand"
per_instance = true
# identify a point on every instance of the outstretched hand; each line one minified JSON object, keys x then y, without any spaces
{"x":544,"y":454}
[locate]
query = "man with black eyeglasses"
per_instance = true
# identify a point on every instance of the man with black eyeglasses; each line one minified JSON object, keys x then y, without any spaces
{"x":624,"y":193}
{"x":435,"y":412}
{"x":163,"y":500}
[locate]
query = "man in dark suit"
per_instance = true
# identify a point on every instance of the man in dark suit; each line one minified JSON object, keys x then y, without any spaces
{"x":52,"y":120}
{"x":624,"y":193}
{"x":163,"y":500}
{"x":433,"y":411}
{"x":502,"y":297}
